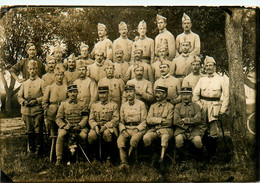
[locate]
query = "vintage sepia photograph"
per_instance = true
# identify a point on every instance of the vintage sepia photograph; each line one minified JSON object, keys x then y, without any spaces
{"x":129,"y":94}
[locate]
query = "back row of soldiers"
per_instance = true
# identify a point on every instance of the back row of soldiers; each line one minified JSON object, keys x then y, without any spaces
{"x":98,"y":89}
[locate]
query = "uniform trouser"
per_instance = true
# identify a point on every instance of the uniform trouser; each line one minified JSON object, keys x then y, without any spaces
{"x":92,"y":136}
{"x":61,"y":135}
{"x":196,"y":140}
{"x":53,"y":127}
{"x":165,"y":134}
{"x":133,"y":137}
{"x":213,"y":128}
{"x":34,"y":124}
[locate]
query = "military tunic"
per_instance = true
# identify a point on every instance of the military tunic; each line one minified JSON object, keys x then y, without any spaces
{"x":173,"y":85}
{"x":191,"y":80}
{"x":126,"y":45}
{"x":71,"y":76}
{"x":148,"y":74}
{"x":22,"y":66}
{"x":160,"y":124}
{"x":212,"y":94}
{"x":148,"y":49}
{"x":32,"y":115}
{"x":88,"y":61}
{"x":48,"y":79}
{"x":105,"y":46}
{"x":121,"y":69}
{"x":72,"y":113}
{"x":116,"y":88}
{"x":181,"y":66}
{"x":166,"y":38}
{"x":145,"y":87}
{"x":132,"y":117}
{"x":196,"y":127}
{"x":106,"y":116}
{"x":193,"y":38}
{"x":97,"y":71}
{"x":87,"y":91}
{"x":156,"y":68}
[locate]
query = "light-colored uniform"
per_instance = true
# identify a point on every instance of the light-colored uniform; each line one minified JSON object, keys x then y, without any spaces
{"x":147,"y":91}
{"x":148,"y":73}
{"x":107,"y":117}
{"x":166,"y":38}
{"x":97,"y":71}
{"x":193,"y":131}
{"x":191,"y":81}
{"x":70,"y":77}
{"x":48,"y":79}
{"x":73,"y":113}
{"x":148,"y":49}
{"x":121,"y":69}
{"x":193,"y":38}
{"x":159,"y":122}
{"x":54,"y":94}
{"x":131,"y":117}
{"x":116,"y":88}
{"x":212,"y":94}
{"x":87,"y":91}
{"x":105,"y":46}
{"x":88,"y":61}
{"x":181,"y":66}
{"x":156,"y":68}
{"x":126,"y":46}
{"x":173,"y":85}
{"x":32,"y":115}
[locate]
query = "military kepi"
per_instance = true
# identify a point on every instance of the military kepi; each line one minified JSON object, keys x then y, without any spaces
{"x":102,"y":89}
{"x":186,"y":90}
{"x":129,"y":87}
{"x":72,"y":87}
{"x":161,"y":88}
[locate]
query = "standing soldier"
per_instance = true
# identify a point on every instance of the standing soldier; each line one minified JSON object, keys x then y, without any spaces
{"x":173,"y":84}
{"x":143,"y":87}
{"x":162,"y":53}
{"x":52,"y":98}
{"x":190,"y":36}
{"x":121,"y":65}
{"x":211,"y":93}
{"x":132,"y":124}
{"x":22,"y":66}
{"x":123,"y":42}
{"x":30,"y":98}
{"x":138,"y":61}
{"x":96,"y":71}
{"x":103,"y":120}
{"x":192,"y":79}
{"x":181,"y":66}
{"x":159,"y":121}
{"x":84,"y":55}
{"x":58,"y":53}
{"x":146,"y":43}
{"x":164,"y":37}
{"x":72,"y":115}
{"x":71,"y":74}
{"x":104,"y":44}
{"x":116,"y":86}
{"x":87,"y":88}
{"x":49,"y":77}
{"x":188,"y":122}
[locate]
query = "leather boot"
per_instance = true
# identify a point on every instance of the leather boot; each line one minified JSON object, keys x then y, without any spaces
{"x":31,"y":141}
{"x":39,"y":144}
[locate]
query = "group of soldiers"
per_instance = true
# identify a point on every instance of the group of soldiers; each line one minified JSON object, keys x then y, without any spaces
{"x":132,"y":91}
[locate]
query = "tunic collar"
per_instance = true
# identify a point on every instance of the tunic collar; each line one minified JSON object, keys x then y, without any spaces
{"x":162,"y":103}
{"x":162,"y":31}
{"x":165,"y":77}
{"x":73,"y":101}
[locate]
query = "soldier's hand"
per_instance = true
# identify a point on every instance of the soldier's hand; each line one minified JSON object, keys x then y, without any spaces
{"x":186,"y":120}
{"x":136,"y":131}
{"x":125,"y":134}
{"x":77,"y":128}
{"x":67,"y":127}
{"x":33,"y":102}
{"x":25,"y":103}
{"x":102,"y":129}
{"x":97,"y":130}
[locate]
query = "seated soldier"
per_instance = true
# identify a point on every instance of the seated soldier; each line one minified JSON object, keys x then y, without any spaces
{"x":187,"y":118}
{"x":72,"y":116}
{"x":103,"y":120}
{"x":132,"y":124}
{"x":159,"y":121}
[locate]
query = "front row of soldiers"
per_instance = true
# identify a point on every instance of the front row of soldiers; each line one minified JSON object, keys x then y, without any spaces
{"x":167,"y":118}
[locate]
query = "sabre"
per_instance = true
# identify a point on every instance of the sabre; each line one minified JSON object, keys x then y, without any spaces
{"x":84,"y":153}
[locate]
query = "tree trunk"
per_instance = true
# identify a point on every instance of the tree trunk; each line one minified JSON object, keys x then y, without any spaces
{"x":234,"y":40}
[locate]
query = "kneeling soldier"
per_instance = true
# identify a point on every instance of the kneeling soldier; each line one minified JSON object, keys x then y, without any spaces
{"x":132,"y":124}
{"x":159,"y":121}
{"x":103,"y":120}
{"x":187,"y":118}
{"x":72,"y":115}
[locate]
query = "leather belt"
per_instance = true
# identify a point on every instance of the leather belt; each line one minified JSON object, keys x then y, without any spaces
{"x":132,"y":124}
{"x":210,"y":98}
